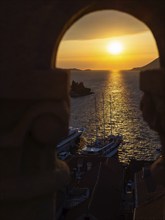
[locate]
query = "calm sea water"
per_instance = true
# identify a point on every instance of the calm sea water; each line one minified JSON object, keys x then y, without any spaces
{"x":122,"y":88}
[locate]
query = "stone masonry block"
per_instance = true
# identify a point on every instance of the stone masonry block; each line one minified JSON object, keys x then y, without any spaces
{"x":153,"y":81}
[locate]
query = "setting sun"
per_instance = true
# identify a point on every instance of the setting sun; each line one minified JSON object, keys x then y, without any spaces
{"x":109,"y":40}
{"x":115,"y":47}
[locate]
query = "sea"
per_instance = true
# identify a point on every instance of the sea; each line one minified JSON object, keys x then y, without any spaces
{"x":114,"y":107}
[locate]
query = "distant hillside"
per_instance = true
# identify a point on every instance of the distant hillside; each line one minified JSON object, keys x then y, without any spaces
{"x":75,"y":69}
{"x":155,"y":64}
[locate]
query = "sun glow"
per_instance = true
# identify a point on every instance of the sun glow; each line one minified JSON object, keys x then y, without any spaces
{"x":115,"y":47}
{"x":106,"y":40}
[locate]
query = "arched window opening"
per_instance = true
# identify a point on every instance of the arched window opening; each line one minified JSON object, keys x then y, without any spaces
{"x":106,"y":50}
{"x":93,"y":43}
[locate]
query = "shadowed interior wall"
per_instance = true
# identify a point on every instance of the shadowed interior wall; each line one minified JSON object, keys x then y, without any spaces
{"x":34,"y":96}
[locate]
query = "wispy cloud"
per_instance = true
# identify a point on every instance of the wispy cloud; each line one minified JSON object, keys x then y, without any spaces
{"x":104,"y":24}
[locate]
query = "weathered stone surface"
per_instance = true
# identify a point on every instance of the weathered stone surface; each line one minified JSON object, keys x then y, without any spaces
{"x":34,"y":84}
{"x":153,"y":82}
{"x":158,"y":171}
{"x":34,"y":94}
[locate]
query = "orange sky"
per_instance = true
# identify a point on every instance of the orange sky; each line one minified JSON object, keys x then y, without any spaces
{"x":85,"y":44}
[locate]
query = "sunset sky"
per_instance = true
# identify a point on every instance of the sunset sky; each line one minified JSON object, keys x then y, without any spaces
{"x":110,"y":40}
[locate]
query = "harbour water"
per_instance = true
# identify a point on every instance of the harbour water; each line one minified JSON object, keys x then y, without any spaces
{"x":122,"y":88}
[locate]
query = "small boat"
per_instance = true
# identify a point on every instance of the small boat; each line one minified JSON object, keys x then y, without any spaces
{"x":63,"y":155}
{"x":71,"y":140}
{"x":106,"y":146}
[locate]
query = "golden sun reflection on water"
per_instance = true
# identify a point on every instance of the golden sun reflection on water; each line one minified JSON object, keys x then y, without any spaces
{"x":125,"y":118}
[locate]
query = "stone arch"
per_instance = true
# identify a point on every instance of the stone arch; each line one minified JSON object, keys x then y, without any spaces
{"x":152,"y":83}
{"x":33,"y":94}
{"x":140,"y":13}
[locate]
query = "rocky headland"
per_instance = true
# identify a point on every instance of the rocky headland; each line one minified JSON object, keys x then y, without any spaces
{"x":78,"y":89}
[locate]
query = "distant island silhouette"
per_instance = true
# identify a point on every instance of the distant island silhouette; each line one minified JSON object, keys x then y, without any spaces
{"x":78,"y":89}
{"x":155,"y":64}
{"x":76,"y":69}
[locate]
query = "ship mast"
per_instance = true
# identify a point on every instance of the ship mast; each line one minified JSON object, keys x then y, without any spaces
{"x":96,"y":119}
{"x":110,"y":107}
{"x":104,"y":118}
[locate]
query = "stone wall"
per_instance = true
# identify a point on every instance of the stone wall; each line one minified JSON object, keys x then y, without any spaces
{"x":34,"y":117}
{"x":34,"y":99}
{"x":152,"y":83}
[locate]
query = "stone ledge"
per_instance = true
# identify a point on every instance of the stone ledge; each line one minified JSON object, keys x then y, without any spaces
{"x":15,"y":136}
{"x":35,"y":84}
